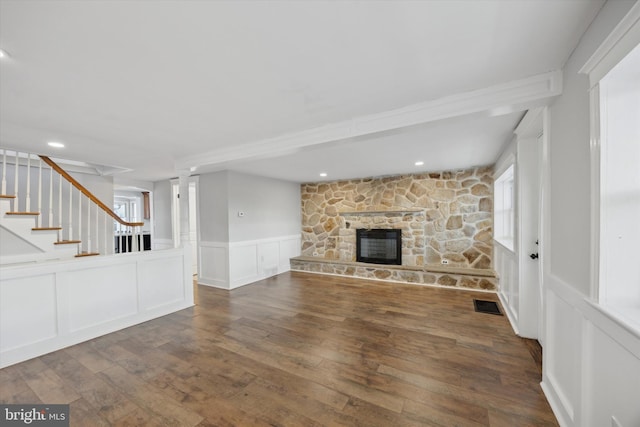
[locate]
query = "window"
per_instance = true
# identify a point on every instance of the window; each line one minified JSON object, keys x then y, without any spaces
{"x":613,"y":72}
{"x":619,"y":282}
{"x":127,"y":209}
{"x":504,"y":214}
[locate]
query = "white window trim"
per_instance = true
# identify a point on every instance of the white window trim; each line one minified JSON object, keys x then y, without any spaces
{"x":508,"y":174}
{"x":622,"y":40}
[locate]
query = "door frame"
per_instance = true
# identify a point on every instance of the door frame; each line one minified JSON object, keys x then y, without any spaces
{"x":194,"y":182}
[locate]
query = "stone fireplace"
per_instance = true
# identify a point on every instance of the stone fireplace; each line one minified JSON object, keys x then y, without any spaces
{"x":445,"y":219}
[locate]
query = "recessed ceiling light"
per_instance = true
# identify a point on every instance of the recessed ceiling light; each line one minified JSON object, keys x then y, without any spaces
{"x":55,"y":144}
{"x":419,"y":163}
{"x":3,"y":54}
{"x":323,"y":174}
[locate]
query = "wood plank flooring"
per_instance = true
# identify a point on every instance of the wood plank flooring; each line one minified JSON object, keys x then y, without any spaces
{"x":299,"y":349}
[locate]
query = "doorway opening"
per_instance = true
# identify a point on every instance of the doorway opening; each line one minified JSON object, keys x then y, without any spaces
{"x":193,"y":219}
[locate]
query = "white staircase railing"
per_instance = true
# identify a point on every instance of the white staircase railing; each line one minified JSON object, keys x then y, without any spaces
{"x":60,"y":203}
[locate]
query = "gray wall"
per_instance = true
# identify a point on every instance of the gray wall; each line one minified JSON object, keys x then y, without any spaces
{"x":162,"y":210}
{"x":214,"y":218}
{"x":271,"y":207}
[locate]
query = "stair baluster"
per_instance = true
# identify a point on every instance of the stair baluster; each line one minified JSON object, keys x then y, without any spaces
{"x":39,"y":219}
{"x":28,"y":193}
{"x":98,"y":230}
{"x":88,"y":225}
{"x":60,"y":207}
{"x":16,"y":200}
{"x":4,"y":172}
{"x":70,"y":230}
{"x":80,"y":222}
{"x":50,"y":197}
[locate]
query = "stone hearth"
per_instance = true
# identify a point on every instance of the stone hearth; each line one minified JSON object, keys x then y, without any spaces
{"x":447,"y":277}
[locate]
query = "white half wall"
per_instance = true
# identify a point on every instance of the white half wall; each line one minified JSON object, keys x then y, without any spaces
{"x":591,"y":361}
{"x":231,"y":265}
{"x":49,"y":306}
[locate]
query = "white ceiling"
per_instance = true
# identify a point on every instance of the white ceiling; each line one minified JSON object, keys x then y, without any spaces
{"x":152,"y":86}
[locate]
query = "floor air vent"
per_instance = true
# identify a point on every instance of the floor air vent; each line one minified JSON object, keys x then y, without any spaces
{"x":489,"y":307}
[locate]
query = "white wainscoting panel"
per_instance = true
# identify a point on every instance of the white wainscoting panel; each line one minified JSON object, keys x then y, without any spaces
{"x":230,"y":265}
{"x":49,"y":306}
{"x":289,"y":248}
{"x":591,"y":367}
{"x":562,"y":353}
{"x":243,"y":263}
{"x":166,"y":271}
{"x":506,"y":264}
{"x":98,"y":295}
{"x":31,"y":320}
{"x":268,"y":258}
{"x":214,"y":264}
{"x":614,"y":381}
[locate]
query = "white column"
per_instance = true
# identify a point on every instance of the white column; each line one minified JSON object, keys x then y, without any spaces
{"x":183,"y":185}
{"x":185,"y":241}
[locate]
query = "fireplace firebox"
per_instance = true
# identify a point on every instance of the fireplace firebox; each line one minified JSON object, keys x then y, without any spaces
{"x":379,"y":246}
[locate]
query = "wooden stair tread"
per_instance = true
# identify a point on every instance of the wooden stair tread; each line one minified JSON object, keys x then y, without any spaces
{"x":46,"y":228}
{"x":23,"y":213}
{"x":87,"y":254}
{"x":67,"y":242}
{"x":7,"y":196}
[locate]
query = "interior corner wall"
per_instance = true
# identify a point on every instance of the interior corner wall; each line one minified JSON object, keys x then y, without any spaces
{"x":591,"y":362}
{"x":239,"y":249}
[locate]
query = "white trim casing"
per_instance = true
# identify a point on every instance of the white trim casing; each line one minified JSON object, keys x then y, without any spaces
{"x":624,"y":37}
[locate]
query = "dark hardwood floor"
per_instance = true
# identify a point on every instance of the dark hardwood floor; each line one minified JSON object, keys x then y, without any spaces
{"x":299,"y":349}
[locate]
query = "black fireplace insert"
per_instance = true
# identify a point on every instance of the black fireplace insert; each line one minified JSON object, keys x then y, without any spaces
{"x":379,"y":246}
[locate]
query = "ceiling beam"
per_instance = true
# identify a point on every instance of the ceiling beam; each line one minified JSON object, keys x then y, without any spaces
{"x":505,"y":98}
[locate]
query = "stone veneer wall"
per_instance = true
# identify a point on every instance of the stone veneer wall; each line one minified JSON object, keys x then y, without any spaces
{"x":443,"y":216}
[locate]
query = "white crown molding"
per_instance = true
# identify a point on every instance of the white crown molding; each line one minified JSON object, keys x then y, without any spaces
{"x":624,"y":37}
{"x":495,"y":100}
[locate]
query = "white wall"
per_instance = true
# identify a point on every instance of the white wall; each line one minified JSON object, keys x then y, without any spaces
{"x":591,"y":364}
